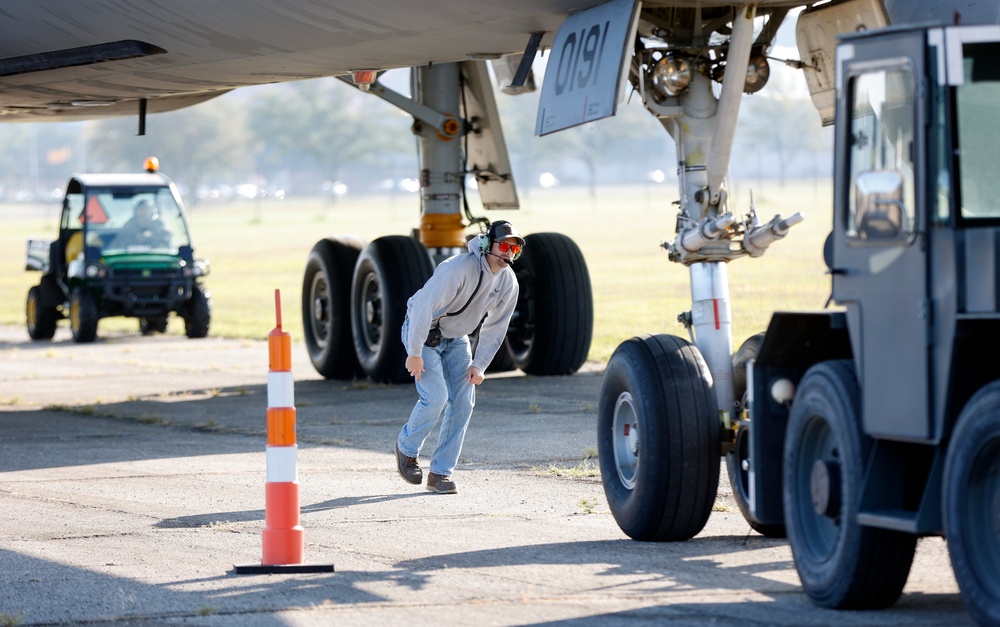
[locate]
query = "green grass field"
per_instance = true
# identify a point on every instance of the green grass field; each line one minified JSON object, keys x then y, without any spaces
{"x":257,"y":247}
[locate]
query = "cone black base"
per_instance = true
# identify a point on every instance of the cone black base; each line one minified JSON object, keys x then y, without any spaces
{"x":270,"y":569}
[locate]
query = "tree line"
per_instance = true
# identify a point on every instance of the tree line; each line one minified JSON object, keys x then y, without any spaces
{"x":300,"y":135}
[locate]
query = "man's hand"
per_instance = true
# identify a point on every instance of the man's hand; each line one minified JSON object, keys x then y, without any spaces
{"x":414,"y":365}
{"x":475,"y":376}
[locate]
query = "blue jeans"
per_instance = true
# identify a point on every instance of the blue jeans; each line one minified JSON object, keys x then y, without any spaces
{"x":445,"y":391}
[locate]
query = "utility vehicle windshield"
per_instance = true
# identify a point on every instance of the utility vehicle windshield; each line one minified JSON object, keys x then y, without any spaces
{"x":131,"y":220}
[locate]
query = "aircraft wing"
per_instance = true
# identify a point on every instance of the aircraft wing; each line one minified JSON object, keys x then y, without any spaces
{"x":70,"y":59}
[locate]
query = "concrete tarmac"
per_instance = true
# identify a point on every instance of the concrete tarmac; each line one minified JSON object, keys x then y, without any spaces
{"x":132,"y":477}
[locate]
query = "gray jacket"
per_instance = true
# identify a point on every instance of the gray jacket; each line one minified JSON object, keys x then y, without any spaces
{"x":447,"y":291}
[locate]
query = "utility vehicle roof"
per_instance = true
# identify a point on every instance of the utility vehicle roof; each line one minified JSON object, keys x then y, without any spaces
{"x":125,"y":180}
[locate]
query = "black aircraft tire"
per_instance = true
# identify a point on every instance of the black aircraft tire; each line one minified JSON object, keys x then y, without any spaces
{"x":326,"y":307}
{"x":971,"y":487}
{"x":198,"y":313}
{"x":748,"y":350}
{"x":503,"y":361}
{"x":841,"y":564}
{"x":389,"y":271}
{"x":739,"y":479}
{"x":658,"y":438}
{"x":553,"y":322}
{"x":41,"y":320}
{"x":83,"y":316}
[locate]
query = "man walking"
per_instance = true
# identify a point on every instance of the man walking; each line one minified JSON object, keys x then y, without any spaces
{"x":477,"y":289}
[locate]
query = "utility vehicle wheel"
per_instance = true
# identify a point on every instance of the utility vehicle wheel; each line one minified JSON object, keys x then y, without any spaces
{"x":553,"y":322}
{"x":388,"y":272}
{"x":154,"y":324}
{"x":198,"y":313}
{"x":972,"y":504}
{"x":841,"y":564}
{"x":738,"y":461}
{"x":658,"y":438}
{"x":42,"y":320}
{"x":326,"y":307}
{"x":83,"y":315}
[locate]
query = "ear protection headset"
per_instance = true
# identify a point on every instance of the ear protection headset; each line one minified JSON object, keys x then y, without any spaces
{"x":486,"y":239}
{"x":492,"y":234}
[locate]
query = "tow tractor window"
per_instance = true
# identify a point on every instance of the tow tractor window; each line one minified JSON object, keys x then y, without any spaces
{"x":978,"y":107}
{"x":881,"y":196}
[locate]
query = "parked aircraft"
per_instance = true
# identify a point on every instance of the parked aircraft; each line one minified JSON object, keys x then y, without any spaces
{"x":63,"y":60}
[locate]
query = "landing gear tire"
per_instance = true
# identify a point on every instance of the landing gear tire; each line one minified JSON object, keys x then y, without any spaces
{"x":842,"y":564}
{"x":198,"y":313}
{"x":748,"y":350}
{"x":83,"y":316}
{"x":388,"y":272}
{"x":154,"y":324}
{"x":41,"y":320}
{"x":658,"y":438}
{"x":971,"y":504}
{"x":738,"y":461}
{"x":739,"y":480}
{"x":503,"y":361}
{"x":326,"y":307}
{"x":553,"y":323}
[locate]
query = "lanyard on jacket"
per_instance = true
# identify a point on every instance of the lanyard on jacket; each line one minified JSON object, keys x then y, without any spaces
{"x":468,"y":302}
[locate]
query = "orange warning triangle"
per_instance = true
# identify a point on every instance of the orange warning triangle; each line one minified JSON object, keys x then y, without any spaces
{"x":95,"y":212}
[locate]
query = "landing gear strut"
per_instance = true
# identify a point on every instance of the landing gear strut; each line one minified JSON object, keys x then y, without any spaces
{"x":708,"y":238}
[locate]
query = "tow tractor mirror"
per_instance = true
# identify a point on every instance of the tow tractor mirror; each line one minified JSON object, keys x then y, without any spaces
{"x":879,"y":213}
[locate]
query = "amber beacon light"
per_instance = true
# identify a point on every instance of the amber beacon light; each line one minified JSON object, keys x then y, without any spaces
{"x":283,"y":538}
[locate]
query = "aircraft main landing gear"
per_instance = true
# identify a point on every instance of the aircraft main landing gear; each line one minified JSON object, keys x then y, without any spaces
{"x":354,"y":294}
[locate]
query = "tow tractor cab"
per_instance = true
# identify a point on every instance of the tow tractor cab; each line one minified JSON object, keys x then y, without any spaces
{"x":124,"y":249}
{"x":893,"y":431}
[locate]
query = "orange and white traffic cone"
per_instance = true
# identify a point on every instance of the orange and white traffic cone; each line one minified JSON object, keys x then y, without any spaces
{"x":283,"y":538}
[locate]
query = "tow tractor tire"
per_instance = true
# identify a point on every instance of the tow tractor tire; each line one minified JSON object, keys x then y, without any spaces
{"x":738,"y":461}
{"x":842,"y":564}
{"x":42,"y":320}
{"x":658,"y":438}
{"x":83,"y":315}
{"x":553,"y":323}
{"x":389,"y":270}
{"x":326,"y":307}
{"x":198,"y":313}
{"x":153,"y":324}
{"x":971,"y":504}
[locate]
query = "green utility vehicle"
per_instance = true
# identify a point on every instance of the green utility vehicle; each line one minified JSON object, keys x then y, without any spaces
{"x":124,"y":249}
